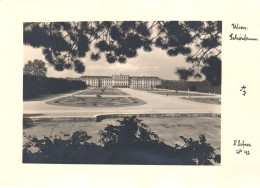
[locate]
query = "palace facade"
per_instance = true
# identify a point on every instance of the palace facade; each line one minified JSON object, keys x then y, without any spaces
{"x":121,"y":81}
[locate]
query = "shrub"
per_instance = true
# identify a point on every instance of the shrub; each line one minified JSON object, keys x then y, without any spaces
{"x":128,"y":143}
{"x":130,"y":132}
{"x":75,"y":149}
{"x":198,"y":151}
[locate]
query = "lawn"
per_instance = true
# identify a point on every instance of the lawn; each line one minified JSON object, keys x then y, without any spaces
{"x":161,"y":141}
{"x":208,"y":100}
{"x":102,"y":91}
{"x":177,"y":93}
{"x":169,"y":129}
{"x":96,"y":102}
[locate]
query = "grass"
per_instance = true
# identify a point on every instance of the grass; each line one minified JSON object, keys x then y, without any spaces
{"x":107,"y":91}
{"x":208,"y":100}
{"x":130,"y":142}
{"x":95,"y":91}
{"x":177,"y":93}
{"x":169,"y":129}
{"x":96,"y":102}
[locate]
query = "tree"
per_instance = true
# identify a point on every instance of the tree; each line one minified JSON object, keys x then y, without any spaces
{"x":64,"y":44}
{"x":35,"y":68}
{"x":199,"y":41}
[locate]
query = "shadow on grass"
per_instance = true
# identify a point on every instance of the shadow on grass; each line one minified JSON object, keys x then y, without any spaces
{"x":208,"y":100}
{"x":129,"y":143}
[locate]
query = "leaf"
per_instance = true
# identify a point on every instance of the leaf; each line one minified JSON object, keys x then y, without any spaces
{"x":95,"y":57}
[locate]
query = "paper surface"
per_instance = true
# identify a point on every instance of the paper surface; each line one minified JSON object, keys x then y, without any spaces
{"x":240,"y":66}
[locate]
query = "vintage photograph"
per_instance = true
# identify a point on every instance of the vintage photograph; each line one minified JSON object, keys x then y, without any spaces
{"x":122,"y":92}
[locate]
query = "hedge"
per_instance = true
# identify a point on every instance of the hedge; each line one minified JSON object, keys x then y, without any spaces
{"x":34,"y":86}
{"x":203,"y":86}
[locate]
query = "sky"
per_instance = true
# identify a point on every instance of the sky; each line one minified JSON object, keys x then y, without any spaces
{"x":154,"y":63}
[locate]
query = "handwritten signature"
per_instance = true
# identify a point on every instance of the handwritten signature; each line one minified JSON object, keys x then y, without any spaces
{"x":243,"y":147}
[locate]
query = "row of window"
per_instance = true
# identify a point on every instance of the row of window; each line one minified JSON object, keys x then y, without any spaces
{"x":110,"y":79}
{"x":122,"y":84}
{"x":122,"y":81}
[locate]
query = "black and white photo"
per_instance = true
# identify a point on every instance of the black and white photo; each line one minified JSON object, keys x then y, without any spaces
{"x":122,"y":92}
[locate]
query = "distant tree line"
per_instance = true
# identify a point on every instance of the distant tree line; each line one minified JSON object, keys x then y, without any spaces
{"x":203,"y":86}
{"x":34,"y":86}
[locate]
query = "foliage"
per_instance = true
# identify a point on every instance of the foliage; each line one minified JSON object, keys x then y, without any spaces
{"x":72,"y":149}
{"x":132,"y":131}
{"x":203,"y":86}
{"x":35,"y":68}
{"x":64,"y":44}
{"x":200,"y":151}
{"x":129,"y":143}
{"x":34,"y":86}
{"x":212,"y":70}
{"x":184,"y":74}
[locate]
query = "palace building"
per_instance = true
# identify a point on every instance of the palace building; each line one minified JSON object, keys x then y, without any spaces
{"x":122,"y":81}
